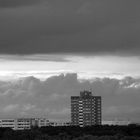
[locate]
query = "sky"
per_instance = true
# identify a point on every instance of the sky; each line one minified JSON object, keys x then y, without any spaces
{"x":52,"y":49}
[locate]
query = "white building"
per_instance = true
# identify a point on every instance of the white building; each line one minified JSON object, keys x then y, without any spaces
{"x":23,"y":123}
{"x":8,"y":123}
{"x":28,"y":123}
{"x":116,"y":122}
{"x":60,"y":123}
{"x":43,"y":122}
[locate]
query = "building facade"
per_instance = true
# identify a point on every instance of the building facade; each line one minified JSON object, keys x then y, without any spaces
{"x":116,"y":122}
{"x":86,"y":109}
{"x":8,"y":123}
{"x":60,"y":124}
{"x":24,"y":123}
{"x":28,"y":123}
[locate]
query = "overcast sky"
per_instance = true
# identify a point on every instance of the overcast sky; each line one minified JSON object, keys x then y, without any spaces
{"x":94,"y":43}
{"x":52,"y":26}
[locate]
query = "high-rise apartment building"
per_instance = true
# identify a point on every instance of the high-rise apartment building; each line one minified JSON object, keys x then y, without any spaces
{"x":86,"y":109}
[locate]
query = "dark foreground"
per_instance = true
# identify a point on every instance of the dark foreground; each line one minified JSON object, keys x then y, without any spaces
{"x":131,"y":132}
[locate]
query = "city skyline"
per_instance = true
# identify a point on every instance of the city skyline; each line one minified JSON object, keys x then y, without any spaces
{"x":31,"y":97}
{"x":51,"y":50}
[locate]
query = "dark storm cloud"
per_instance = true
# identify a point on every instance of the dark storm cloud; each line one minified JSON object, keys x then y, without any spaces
{"x":17,"y":3}
{"x":51,"y":58}
{"x":111,"y":26}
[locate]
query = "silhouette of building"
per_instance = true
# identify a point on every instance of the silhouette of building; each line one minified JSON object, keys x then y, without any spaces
{"x":86,"y":109}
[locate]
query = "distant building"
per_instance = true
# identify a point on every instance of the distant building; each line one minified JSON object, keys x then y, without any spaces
{"x":60,"y":123}
{"x":24,"y":123}
{"x":41,"y":122}
{"x":8,"y":123}
{"x":28,"y":123}
{"x":116,"y":122}
{"x":86,"y":109}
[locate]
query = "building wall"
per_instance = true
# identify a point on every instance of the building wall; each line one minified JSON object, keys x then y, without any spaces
{"x":43,"y":122}
{"x":23,"y":123}
{"x":86,"y":109}
{"x":116,"y":122}
{"x":8,"y":123}
{"x":60,"y":123}
{"x":28,"y":123}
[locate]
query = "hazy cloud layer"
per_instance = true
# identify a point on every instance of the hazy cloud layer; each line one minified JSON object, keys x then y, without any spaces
{"x":17,"y":3}
{"x":36,"y":57}
{"x":52,"y":26}
{"x":30,"y":97}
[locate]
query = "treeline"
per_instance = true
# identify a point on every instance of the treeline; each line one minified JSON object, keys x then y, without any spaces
{"x":130,"y":132}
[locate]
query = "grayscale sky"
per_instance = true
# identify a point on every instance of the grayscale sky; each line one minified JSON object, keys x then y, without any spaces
{"x":52,"y":49}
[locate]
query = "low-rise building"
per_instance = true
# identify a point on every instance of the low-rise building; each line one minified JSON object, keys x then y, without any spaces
{"x":116,"y":122}
{"x":8,"y":123}
{"x":28,"y":123}
{"x":23,"y":123}
{"x":60,"y":124}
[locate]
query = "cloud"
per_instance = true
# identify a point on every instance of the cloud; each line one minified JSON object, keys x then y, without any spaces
{"x":123,"y":112}
{"x":85,"y":9}
{"x":10,"y":108}
{"x":55,"y":96}
{"x":30,"y":97}
{"x":28,"y":107}
{"x":80,"y":26}
{"x":63,"y":111}
{"x":36,"y":57}
{"x":17,"y":3}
